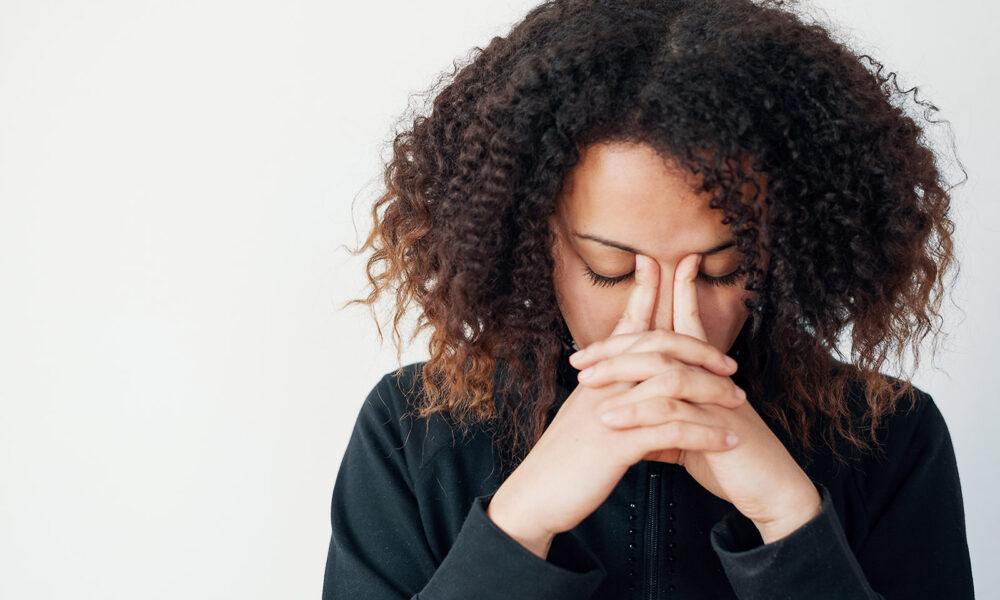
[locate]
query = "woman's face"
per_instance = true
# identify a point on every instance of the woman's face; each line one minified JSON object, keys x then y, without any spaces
{"x":621,"y":199}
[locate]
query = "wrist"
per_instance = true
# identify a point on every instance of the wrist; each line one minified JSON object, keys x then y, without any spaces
{"x":800,"y":513}
{"x":537,"y":540}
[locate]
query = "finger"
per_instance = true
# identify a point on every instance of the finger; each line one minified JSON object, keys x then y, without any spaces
{"x":657,"y":375}
{"x":682,"y":347}
{"x":687,"y":319}
{"x":678,"y":434}
{"x":639,"y":308}
{"x":654,"y":411}
{"x":695,"y":386}
{"x":634,"y":367}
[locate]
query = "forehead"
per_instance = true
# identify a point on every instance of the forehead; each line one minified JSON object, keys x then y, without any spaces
{"x":630,"y":194}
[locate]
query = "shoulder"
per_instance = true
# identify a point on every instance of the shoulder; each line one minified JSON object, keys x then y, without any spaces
{"x":911,"y":442}
{"x":390,"y":409}
{"x":914,"y":418}
{"x":391,"y":415}
{"x":396,"y":394}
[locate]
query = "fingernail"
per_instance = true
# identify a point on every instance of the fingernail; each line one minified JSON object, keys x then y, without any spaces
{"x":577,"y":356}
{"x":731,"y":363}
{"x":587,"y":373}
{"x":732,"y":439}
{"x":740,"y":393}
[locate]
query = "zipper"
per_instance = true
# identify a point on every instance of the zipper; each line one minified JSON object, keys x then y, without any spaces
{"x":652,"y":529}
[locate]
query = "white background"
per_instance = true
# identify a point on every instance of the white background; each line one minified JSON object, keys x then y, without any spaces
{"x":177,"y":384}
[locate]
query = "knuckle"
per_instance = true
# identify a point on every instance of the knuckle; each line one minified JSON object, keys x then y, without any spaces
{"x":665,"y":339}
{"x":668,"y":379}
{"x":674,"y":380}
{"x":665,"y":407}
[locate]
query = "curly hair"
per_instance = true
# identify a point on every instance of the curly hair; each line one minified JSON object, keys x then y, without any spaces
{"x":856,"y":223}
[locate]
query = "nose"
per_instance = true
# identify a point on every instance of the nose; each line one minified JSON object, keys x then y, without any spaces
{"x":663,"y":317}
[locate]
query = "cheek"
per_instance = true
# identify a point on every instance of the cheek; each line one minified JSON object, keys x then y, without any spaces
{"x":722,"y":313}
{"x":591,"y":312}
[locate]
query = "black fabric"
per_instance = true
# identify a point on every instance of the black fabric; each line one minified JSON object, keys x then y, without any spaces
{"x":409,"y":521}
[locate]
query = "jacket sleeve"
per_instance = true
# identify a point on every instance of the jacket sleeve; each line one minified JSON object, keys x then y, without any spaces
{"x":916,"y":546}
{"x":378,"y":548}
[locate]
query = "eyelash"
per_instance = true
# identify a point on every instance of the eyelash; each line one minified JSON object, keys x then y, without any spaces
{"x":602,"y":281}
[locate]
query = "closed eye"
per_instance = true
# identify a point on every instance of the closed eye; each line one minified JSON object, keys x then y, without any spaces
{"x":602,"y":281}
{"x":722,"y":280}
{"x":605,"y":281}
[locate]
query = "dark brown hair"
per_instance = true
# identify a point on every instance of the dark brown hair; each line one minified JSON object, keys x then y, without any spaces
{"x":857,"y":220}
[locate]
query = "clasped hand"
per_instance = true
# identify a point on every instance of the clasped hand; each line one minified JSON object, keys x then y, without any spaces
{"x":663,"y":395}
{"x":679,"y":381}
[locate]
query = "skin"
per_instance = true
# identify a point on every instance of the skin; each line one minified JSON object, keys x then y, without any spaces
{"x":623,"y":193}
{"x":655,"y":380}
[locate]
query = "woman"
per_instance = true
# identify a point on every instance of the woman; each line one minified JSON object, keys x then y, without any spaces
{"x":704,"y":196}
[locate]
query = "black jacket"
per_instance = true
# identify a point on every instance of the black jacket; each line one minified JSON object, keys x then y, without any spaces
{"x":409,"y":521}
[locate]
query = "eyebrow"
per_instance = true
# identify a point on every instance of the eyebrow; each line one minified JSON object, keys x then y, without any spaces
{"x":620,"y":246}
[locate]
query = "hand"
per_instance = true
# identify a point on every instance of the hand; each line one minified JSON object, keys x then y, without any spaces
{"x":759,"y":477}
{"x":579,"y":460}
